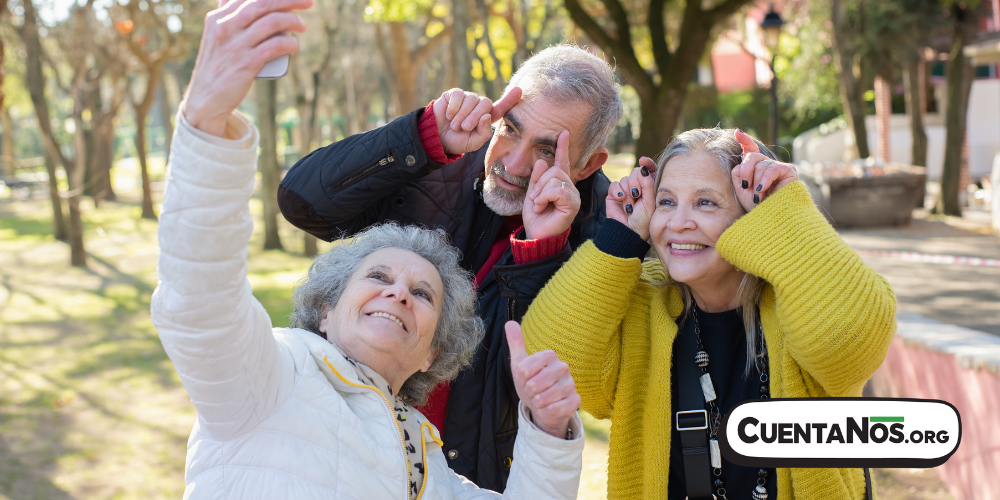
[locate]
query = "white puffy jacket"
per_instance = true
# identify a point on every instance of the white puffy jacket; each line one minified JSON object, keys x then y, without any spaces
{"x":281,"y":414}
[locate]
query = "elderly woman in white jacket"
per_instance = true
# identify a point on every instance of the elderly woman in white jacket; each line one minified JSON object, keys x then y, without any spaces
{"x":323,"y":409}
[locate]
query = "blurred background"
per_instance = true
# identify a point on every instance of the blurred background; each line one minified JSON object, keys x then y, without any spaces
{"x":889,"y":108}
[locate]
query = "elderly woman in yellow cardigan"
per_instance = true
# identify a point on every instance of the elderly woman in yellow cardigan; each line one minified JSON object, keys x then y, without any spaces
{"x":752,"y":287}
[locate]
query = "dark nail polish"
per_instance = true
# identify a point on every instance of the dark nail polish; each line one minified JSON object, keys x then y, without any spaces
{"x":759,"y":186}
{"x":745,"y":184}
{"x":756,"y":198}
{"x":635,"y":193}
{"x":740,"y":130}
{"x":644,"y":171}
{"x":628,"y":208}
{"x":620,"y":194}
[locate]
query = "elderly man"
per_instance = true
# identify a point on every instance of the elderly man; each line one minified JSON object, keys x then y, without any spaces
{"x":498,"y":193}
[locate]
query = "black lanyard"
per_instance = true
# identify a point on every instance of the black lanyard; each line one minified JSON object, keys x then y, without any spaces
{"x":691,"y":420}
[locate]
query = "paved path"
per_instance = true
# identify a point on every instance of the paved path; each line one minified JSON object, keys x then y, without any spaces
{"x":961,"y":294}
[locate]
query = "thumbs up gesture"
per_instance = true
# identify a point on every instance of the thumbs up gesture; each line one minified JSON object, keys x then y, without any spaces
{"x":543,"y":383}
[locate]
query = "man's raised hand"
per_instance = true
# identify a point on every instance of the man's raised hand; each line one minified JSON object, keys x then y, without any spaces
{"x":239,"y":38}
{"x":552,"y":200}
{"x":543,"y":384}
{"x":464,"y":118}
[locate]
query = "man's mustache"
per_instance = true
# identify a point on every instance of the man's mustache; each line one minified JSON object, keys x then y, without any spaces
{"x":501,"y":171}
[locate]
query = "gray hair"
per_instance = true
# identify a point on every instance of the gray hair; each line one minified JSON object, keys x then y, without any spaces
{"x":723,"y":146}
{"x":459,"y":329}
{"x":569,"y":73}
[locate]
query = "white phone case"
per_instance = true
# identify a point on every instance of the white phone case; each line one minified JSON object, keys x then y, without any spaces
{"x":275,"y":68}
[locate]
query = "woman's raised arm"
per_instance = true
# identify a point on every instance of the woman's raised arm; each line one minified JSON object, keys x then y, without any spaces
{"x":215,"y":332}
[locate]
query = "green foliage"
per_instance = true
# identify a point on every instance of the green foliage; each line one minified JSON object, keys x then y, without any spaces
{"x":379,"y":11}
{"x":808,"y":84}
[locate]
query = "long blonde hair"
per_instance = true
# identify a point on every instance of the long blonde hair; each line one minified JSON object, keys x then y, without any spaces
{"x":721,"y":145}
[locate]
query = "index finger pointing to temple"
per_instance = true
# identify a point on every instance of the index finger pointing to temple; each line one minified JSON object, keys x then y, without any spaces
{"x":747,"y":142}
{"x":501,"y":107}
{"x":562,"y":152}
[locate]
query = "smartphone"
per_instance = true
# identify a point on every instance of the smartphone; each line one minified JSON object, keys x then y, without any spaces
{"x":275,"y":68}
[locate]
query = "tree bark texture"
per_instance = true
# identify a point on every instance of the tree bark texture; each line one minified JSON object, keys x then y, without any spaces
{"x":35,"y":80}
{"x":406,"y":62}
{"x":848,"y":71}
{"x":959,"y":77}
{"x":461,"y":56}
{"x":142,"y":109}
{"x":167,"y":109}
{"x":7,"y":156}
{"x":915,"y":108}
{"x":660,"y":103}
{"x":267,"y":163}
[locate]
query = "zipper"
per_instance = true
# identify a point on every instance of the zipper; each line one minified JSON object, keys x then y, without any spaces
{"x":399,"y":430}
{"x":483,"y":234}
{"x":423,"y":447}
{"x":370,"y":169}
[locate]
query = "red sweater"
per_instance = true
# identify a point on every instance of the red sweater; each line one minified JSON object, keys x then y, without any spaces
{"x":523,"y":250}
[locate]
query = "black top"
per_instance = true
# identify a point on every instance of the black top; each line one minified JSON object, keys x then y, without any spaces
{"x":724,"y":339}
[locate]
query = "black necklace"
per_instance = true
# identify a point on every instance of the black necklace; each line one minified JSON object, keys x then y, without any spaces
{"x":715,"y":416}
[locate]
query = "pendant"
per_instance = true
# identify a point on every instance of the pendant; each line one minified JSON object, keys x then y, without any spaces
{"x":707,"y":388}
{"x":701,"y":359}
{"x":760,"y":493}
{"x":713,"y":447}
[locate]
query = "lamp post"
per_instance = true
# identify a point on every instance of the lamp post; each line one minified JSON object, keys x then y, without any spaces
{"x":771,"y":26}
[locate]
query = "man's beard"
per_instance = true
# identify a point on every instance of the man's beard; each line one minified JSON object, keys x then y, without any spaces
{"x":500,"y":200}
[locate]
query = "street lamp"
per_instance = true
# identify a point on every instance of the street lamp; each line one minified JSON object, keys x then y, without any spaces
{"x":771,"y":26}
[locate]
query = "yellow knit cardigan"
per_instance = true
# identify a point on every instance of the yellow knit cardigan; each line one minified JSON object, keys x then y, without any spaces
{"x":827,"y":317}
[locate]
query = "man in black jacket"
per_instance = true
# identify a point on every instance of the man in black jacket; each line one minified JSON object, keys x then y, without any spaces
{"x":504,"y":204}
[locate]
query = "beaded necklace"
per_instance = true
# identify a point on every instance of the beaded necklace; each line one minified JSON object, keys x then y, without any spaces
{"x":715,"y":416}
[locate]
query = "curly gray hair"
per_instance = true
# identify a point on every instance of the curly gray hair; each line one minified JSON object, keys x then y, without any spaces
{"x":459,"y":329}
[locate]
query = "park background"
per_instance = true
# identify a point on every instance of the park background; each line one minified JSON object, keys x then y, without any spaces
{"x":90,"y":406}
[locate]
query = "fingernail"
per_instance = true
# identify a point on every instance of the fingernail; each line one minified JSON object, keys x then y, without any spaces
{"x":620,"y":194}
{"x":628,"y":208}
{"x":644,"y":171}
{"x":759,"y":186}
{"x":745,"y":184}
{"x":740,"y":130}
{"x":756,"y":198}
{"x":635,"y":193}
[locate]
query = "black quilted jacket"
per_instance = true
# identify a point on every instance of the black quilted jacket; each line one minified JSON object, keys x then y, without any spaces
{"x":384,"y":175}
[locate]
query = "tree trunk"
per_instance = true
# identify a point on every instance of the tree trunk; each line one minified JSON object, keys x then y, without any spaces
{"x":141,"y":112}
{"x":404,"y":69}
{"x":915,"y":108}
{"x":461,"y":59}
{"x":267,"y":164}
{"x":167,"y":109}
{"x":35,"y":81}
{"x":848,"y":75}
{"x":78,"y":254}
{"x":959,"y":77}
{"x":7,"y":156}
{"x":59,"y":230}
{"x":659,"y":121}
{"x":309,"y":245}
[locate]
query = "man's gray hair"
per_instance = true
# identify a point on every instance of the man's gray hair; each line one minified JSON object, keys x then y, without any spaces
{"x":459,"y":329}
{"x":569,"y":73}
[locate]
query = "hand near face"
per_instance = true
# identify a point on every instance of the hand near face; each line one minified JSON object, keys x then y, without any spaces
{"x":552,"y":200}
{"x":632,"y":200}
{"x":758,"y":176}
{"x":543,"y":383}
{"x":239,"y":38}
{"x":464,"y":118}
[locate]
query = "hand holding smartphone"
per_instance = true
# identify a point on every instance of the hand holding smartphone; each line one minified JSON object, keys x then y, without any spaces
{"x":273,"y":69}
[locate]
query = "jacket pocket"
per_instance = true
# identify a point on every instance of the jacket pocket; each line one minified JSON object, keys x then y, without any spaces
{"x":377,"y":166}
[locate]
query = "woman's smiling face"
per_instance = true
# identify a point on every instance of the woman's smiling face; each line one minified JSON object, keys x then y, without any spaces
{"x":695,"y":204}
{"x":388,"y":313}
